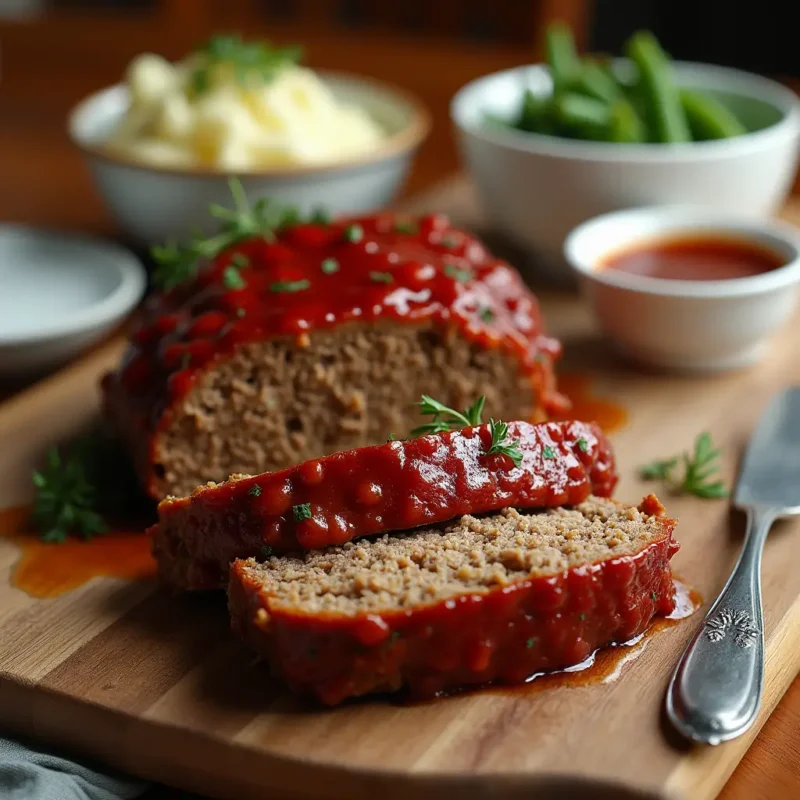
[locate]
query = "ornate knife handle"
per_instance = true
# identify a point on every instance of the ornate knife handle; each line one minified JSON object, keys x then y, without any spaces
{"x":716,"y":688}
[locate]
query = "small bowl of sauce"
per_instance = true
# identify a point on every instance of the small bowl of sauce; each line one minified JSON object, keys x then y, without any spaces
{"x":687,"y":288}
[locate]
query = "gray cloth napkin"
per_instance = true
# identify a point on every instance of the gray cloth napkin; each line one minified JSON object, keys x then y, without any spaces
{"x":30,"y":774}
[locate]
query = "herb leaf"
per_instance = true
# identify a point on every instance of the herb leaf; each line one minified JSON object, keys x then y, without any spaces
{"x":252,"y":63}
{"x":461,"y":275}
{"x":302,"y":511}
{"x":381,"y":277}
{"x":329,"y":266}
{"x":501,"y":445}
{"x":658,"y":470}
{"x":448,"y":419}
{"x":77,"y":486}
{"x":290,"y":287}
{"x":697,"y":467}
{"x":176,"y":264}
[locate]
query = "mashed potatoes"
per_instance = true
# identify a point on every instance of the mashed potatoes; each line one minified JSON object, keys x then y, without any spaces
{"x":232,"y":112}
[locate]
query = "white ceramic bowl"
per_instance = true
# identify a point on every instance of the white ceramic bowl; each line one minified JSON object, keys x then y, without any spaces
{"x":61,"y":293}
{"x":153,"y":203}
{"x":536,"y":188}
{"x":679,"y":324}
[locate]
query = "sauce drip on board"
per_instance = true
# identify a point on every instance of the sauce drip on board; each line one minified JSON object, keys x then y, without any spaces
{"x":607,"y":664}
{"x":47,"y":570}
{"x":707,"y":258}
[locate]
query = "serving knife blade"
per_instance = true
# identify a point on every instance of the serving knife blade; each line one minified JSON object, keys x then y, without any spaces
{"x":715,"y":692}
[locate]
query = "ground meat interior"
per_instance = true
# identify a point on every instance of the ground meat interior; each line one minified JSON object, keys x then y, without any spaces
{"x":273,"y":403}
{"x":472,"y":555}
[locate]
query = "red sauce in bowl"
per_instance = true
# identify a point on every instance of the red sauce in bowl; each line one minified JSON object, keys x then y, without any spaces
{"x":706,"y":258}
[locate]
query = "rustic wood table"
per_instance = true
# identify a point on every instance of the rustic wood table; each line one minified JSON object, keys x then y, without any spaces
{"x":43,"y":182}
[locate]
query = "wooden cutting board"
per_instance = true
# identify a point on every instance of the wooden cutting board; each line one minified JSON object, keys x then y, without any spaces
{"x":156,"y":685}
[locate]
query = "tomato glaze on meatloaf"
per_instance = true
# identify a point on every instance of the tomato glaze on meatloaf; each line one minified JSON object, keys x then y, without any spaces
{"x":319,"y":340}
{"x":497,"y":598}
{"x":369,"y":490}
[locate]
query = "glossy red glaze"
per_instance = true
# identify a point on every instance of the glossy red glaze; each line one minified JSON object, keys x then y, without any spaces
{"x":320,"y":276}
{"x":395,"y":486}
{"x":503,"y":635}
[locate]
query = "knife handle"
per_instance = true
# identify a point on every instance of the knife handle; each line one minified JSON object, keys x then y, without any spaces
{"x":716,"y":688}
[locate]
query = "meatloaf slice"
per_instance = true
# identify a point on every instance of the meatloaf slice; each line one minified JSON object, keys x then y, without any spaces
{"x":394,"y":486}
{"x":492,"y":599}
{"x":322,"y":339}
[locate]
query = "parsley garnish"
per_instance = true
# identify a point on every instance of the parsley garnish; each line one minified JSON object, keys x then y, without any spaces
{"x":653,"y":596}
{"x":329,"y":266}
{"x":381,"y":277}
{"x":233,"y":279}
{"x":461,"y":275}
{"x":252,"y":63}
{"x":583,"y":445}
{"x":320,"y":216}
{"x":254,"y":490}
{"x":240,"y":312}
{"x":78,"y":485}
{"x":353,"y":233}
{"x":408,"y":227}
{"x":500,"y":445}
{"x":289,"y":286}
{"x":548,"y":452}
{"x":302,"y":511}
{"x":66,"y":500}
{"x":449,"y":242}
{"x":486,"y":314}
{"x":176,"y":263}
{"x":448,"y":419}
{"x":582,"y":616}
{"x":266,"y":551}
{"x":531,"y":642}
{"x":698,"y":467}
{"x":240,"y":261}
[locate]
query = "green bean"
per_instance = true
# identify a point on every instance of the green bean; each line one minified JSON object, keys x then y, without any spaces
{"x":533,"y":113}
{"x":625,"y":125}
{"x":708,"y":118}
{"x":561,"y":55}
{"x":665,"y":113}
{"x":581,"y":116}
{"x":596,"y":81}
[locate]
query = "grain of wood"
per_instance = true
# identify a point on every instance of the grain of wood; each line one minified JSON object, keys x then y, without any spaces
{"x":156,"y":685}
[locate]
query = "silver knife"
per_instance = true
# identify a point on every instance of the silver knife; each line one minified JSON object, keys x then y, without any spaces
{"x":715,"y":691}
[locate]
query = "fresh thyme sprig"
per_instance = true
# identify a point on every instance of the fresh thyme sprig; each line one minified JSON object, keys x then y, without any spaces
{"x":177,"y":263}
{"x":698,"y":467}
{"x":448,"y":419}
{"x":252,"y":63}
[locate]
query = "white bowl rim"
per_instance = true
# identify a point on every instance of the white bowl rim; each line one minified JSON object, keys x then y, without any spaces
{"x":405,"y":140}
{"x":675,"y":220}
{"x":122,"y":298}
{"x":734,"y":81}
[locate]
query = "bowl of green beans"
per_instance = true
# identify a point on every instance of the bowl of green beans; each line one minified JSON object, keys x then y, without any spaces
{"x":552,"y":145}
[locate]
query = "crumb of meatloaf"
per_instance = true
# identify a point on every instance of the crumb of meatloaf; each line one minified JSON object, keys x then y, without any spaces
{"x":273,"y":403}
{"x":472,"y":555}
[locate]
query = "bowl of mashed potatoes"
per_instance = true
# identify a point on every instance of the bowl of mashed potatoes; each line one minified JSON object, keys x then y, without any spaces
{"x":162,"y":144}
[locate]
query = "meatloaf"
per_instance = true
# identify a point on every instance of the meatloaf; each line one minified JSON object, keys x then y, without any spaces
{"x":394,"y":486}
{"x":321,"y":339}
{"x":491,"y":599}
